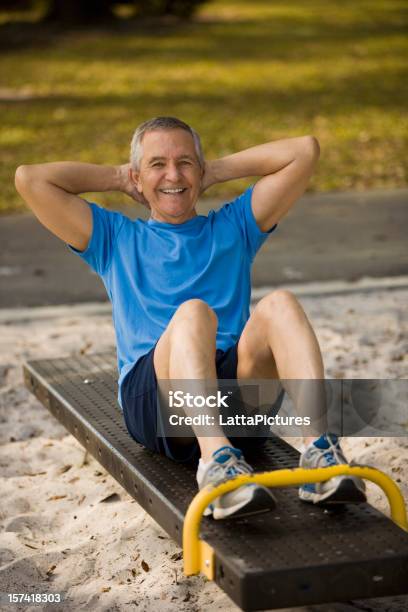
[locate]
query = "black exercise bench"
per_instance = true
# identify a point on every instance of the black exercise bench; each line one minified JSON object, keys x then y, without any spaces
{"x":296,"y":555}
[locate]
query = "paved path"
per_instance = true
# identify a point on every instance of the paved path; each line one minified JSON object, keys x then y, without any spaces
{"x":329,"y":236}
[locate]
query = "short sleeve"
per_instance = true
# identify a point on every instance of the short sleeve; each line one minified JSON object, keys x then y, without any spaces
{"x":106,"y":225}
{"x":240,"y":212}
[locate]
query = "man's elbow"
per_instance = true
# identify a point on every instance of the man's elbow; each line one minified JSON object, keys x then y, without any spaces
{"x":27,"y":179}
{"x":21,"y":177}
{"x":311,"y":147}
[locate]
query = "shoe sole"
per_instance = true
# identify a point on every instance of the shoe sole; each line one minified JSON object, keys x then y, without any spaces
{"x":346,"y":492}
{"x":262,"y":501}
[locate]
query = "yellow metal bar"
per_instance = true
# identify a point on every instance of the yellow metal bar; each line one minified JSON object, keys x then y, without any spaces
{"x":207,"y":560}
{"x":197,"y":556}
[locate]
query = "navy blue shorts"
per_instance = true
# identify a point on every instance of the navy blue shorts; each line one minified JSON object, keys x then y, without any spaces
{"x":139,"y":402}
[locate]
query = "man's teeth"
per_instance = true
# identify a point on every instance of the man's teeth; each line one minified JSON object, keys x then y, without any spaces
{"x":173,"y":190}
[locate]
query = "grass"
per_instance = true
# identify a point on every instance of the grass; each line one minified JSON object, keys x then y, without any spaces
{"x":241,"y":73}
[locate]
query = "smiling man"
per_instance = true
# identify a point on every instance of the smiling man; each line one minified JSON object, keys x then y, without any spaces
{"x":168,"y":174}
{"x":180,"y":286}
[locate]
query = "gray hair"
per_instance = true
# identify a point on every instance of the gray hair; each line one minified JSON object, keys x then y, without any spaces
{"x":161,"y":123}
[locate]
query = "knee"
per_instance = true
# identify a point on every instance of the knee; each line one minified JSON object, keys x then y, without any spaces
{"x":196,"y":310}
{"x":279,"y":302}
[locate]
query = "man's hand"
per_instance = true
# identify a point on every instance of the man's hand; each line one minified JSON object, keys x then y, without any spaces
{"x":128,"y":186}
{"x":208,"y":177}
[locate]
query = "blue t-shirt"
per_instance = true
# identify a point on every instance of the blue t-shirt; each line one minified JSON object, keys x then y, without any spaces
{"x":149,"y":268}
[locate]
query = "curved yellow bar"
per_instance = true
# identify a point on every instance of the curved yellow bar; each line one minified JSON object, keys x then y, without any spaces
{"x":198,"y":555}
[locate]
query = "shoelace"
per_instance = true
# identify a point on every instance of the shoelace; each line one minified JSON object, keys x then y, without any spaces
{"x":333,"y":455}
{"x":231,"y":467}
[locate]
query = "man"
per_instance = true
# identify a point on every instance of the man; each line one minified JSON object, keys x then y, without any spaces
{"x":180,"y":288}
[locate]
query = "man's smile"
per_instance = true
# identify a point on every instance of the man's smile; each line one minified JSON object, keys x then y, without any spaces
{"x":173,"y":191}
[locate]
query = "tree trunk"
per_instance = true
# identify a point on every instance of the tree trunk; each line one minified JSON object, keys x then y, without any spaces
{"x":75,"y":12}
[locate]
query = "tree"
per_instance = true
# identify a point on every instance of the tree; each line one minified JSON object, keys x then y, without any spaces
{"x":75,"y":12}
{"x":179,"y":8}
{"x":87,"y":12}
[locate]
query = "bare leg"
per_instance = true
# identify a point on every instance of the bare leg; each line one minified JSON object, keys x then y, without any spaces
{"x":186,"y":351}
{"x":279,"y":342}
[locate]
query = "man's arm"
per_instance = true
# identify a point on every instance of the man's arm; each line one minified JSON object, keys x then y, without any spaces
{"x":286,"y":166}
{"x":51,"y":191}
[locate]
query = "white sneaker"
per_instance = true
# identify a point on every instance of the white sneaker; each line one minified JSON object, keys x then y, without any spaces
{"x":326,"y":452}
{"x":246,"y":500}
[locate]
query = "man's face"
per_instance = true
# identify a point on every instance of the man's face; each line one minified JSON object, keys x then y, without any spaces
{"x":169,"y":175}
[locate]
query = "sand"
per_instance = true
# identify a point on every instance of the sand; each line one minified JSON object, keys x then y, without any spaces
{"x":67,"y":527}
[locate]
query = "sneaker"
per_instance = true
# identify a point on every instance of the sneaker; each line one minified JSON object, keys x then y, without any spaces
{"x":326,"y":452}
{"x":248,"y":499}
